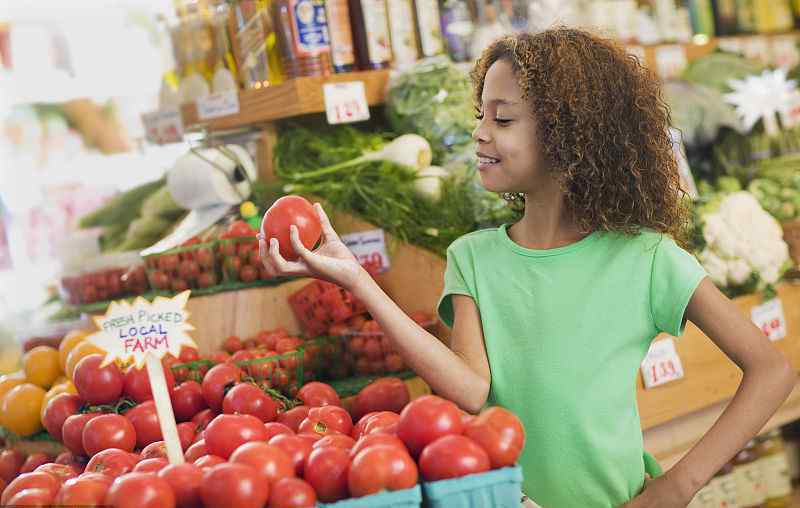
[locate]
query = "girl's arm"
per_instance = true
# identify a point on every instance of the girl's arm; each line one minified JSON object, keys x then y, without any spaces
{"x":459,"y":373}
{"x":768,"y":379}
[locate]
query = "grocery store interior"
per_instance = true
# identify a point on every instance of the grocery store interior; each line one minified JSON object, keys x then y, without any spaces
{"x":144,"y":145}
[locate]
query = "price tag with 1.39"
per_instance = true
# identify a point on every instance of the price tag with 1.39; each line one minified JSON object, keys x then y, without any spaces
{"x":770,"y":319}
{"x":369,"y":247}
{"x":662,"y":364}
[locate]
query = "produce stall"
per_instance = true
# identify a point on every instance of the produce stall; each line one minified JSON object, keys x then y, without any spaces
{"x":290,"y":389}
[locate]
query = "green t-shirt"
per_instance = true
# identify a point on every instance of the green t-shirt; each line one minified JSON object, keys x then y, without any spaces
{"x":566,"y":330}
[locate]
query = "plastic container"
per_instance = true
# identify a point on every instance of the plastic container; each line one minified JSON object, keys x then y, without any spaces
{"x":187,"y":267}
{"x":239,"y":260}
{"x":407,"y":498}
{"x":103,"y":278}
{"x":501,"y":488}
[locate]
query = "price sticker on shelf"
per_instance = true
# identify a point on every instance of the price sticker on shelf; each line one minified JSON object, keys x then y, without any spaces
{"x":217,"y":105}
{"x":163,"y":126}
{"x":345,"y":102}
{"x":662,"y":364}
{"x":770,"y":319}
{"x":785,"y":52}
{"x":758,"y":48}
{"x":670,"y":61}
{"x":369,"y":247}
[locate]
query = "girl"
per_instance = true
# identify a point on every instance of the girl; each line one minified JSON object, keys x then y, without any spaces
{"x":552,"y":316}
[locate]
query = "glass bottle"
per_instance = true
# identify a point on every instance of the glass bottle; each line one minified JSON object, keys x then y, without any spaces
{"x":749,"y":478}
{"x":429,"y":27}
{"x":745,"y":16}
{"x":775,"y":466}
{"x":343,"y":53}
{"x":405,"y":46}
{"x":371,"y":33}
{"x":303,"y":37}
{"x":457,"y":27}
{"x":725,"y":20}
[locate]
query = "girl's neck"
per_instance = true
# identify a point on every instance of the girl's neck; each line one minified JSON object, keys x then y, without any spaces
{"x":546,"y":224}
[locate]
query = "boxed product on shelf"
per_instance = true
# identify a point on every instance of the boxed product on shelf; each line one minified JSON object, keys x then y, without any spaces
{"x":105,"y":277}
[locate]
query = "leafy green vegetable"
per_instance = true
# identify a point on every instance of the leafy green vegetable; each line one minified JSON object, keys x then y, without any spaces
{"x":122,"y":208}
{"x":717,"y":68}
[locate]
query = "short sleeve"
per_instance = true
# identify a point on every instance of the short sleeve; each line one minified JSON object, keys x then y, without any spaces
{"x":674,"y":278}
{"x":454,"y":282}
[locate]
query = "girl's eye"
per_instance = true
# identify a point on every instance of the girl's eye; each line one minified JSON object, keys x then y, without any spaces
{"x":502,"y":121}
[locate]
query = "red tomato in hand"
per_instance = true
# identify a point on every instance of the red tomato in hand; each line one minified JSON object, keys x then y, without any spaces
{"x":248,"y":399}
{"x":187,"y":400}
{"x":294,"y":417}
{"x":339,"y":440}
{"x":381,"y":467}
{"x":196,"y":451}
{"x":384,"y":394}
{"x":233,"y":486}
{"x":381,"y":422}
{"x":150,"y":465}
{"x":185,"y":481}
{"x":426,"y":419}
{"x":275,"y":428}
{"x":33,"y":461}
{"x":25,"y":481}
{"x":89,"y":489}
{"x":452,"y":457}
{"x":108,"y":431}
{"x":377,"y":439}
{"x":137,"y":383}
{"x":95,"y":384}
{"x":218,"y":380}
{"x":327,"y":420}
{"x":145,"y":420}
{"x":59,"y":409}
{"x":112,"y":462}
{"x":298,"y":449}
{"x":287,"y":211}
{"x":292,"y":493}
{"x":10,"y":463}
{"x":326,"y":471}
{"x":316,"y":394}
{"x":226,"y":433}
{"x":140,"y":490}
{"x":500,"y":433}
{"x":270,"y":461}
{"x":72,"y":432}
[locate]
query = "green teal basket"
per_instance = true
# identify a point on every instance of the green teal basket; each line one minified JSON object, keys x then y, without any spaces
{"x":501,"y":488}
{"x":408,"y":498}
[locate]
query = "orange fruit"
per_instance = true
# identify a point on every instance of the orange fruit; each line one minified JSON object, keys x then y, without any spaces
{"x":20,"y":407}
{"x":83,"y":349}
{"x":9,"y":381}
{"x":69,"y":341}
{"x":41,"y":366}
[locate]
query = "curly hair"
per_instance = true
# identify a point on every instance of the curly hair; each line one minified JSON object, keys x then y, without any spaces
{"x":602,"y":126}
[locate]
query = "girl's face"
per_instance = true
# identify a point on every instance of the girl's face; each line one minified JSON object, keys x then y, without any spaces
{"x":508,"y":156}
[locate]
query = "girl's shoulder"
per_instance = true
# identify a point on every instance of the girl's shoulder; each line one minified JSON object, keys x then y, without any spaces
{"x":476,"y":239}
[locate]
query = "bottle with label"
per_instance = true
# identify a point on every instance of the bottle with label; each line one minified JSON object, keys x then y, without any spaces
{"x":775,"y":465}
{"x":750,"y":489}
{"x":403,"y":33}
{"x":745,"y":16}
{"x":772,"y":16}
{"x":429,"y":27}
{"x":370,"y":24}
{"x":343,"y":55}
{"x":702,"y":17}
{"x":303,"y":37}
{"x":457,"y":28}
{"x":725,"y":21}
{"x":725,"y":482}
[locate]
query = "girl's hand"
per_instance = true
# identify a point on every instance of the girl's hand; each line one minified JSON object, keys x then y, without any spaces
{"x":332,"y":261}
{"x":658,"y":493}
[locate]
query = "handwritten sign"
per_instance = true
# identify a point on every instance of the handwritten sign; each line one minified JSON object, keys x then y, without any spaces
{"x":129,"y":331}
{"x":217,"y":105}
{"x":345,"y":102}
{"x":770,"y":319}
{"x":662,"y":364}
{"x":163,"y":126}
{"x":369,"y":247}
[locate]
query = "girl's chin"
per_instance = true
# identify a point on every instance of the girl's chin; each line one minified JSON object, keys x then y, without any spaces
{"x":491,"y":186}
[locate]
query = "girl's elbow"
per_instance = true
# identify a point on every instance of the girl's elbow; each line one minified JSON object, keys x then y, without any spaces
{"x":477,"y":398}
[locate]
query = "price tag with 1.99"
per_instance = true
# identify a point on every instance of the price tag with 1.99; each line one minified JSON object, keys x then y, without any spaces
{"x":662,"y":364}
{"x":770,"y":319}
{"x":369,"y":247}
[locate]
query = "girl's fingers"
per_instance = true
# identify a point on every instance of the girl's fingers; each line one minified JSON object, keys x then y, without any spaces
{"x":282,"y":266}
{"x":328,"y":233}
{"x":297,"y":244}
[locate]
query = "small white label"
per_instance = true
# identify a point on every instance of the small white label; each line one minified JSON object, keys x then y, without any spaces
{"x":662,"y":364}
{"x":770,"y":319}
{"x":369,"y":247}
{"x":163,"y":126}
{"x":730,"y":44}
{"x":346,"y":102}
{"x":670,"y":61}
{"x":757,"y":48}
{"x":217,"y":105}
{"x":785,"y":53}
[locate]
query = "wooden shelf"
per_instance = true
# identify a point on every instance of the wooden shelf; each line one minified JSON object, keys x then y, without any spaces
{"x":290,"y":99}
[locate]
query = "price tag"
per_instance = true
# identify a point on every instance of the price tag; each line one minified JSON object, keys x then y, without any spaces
{"x":217,"y":105}
{"x":670,"y":61}
{"x":369,"y":247}
{"x":757,"y":48}
{"x":770,"y":319}
{"x":730,"y":44}
{"x":785,"y":53}
{"x":662,"y":364}
{"x":163,"y":126}
{"x":346,"y":102}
